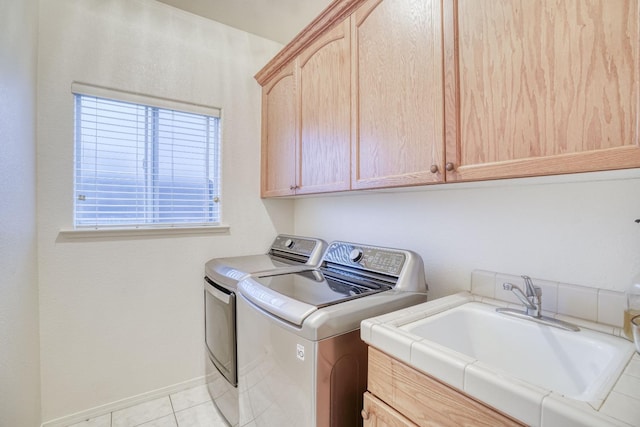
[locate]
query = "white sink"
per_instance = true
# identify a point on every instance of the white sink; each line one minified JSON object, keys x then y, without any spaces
{"x":580,"y":365}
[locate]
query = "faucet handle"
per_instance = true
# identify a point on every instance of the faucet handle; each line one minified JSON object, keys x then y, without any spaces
{"x":530,"y":289}
{"x":507,"y":286}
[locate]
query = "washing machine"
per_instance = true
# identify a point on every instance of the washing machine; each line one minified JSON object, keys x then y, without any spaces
{"x":301,"y":361}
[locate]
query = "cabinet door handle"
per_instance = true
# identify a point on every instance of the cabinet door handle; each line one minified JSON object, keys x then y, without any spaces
{"x":292,"y":187}
{"x":365,"y":415}
{"x":434,"y":169}
{"x":449,"y":166}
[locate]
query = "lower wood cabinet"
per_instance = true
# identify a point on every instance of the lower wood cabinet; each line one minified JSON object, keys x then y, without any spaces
{"x":399,"y":395}
{"x":376,"y":413}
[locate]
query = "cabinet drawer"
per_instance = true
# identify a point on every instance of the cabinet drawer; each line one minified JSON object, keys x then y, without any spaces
{"x":424,"y":400}
{"x":376,"y":413}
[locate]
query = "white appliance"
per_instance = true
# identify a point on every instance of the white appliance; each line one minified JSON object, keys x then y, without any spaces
{"x":301,"y":361}
{"x":287,"y":253}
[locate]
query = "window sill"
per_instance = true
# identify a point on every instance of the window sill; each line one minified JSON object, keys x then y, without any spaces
{"x":68,"y":234}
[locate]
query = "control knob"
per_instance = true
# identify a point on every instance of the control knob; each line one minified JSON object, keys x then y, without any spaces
{"x":289,"y":243}
{"x":356,"y":255}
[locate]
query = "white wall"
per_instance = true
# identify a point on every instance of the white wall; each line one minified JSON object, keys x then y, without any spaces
{"x":121,"y":317}
{"x":563,"y":229}
{"x":19,"y":340}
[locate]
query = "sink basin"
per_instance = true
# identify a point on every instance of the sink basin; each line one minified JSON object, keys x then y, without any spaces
{"x":580,"y":365}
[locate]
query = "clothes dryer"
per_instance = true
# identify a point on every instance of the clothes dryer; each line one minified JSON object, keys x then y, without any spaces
{"x":287,"y":254}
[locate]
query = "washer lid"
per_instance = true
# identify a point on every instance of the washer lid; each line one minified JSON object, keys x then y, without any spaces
{"x":286,"y":308}
{"x":293,"y":297}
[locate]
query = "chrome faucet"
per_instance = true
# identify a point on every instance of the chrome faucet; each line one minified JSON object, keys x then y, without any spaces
{"x":532,"y":299}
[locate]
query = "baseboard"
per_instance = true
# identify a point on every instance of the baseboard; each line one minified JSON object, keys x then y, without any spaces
{"x":124,"y":403}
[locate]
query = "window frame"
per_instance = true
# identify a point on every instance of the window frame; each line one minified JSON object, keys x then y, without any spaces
{"x":151,"y":228}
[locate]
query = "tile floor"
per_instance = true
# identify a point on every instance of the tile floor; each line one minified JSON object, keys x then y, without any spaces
{"x":187,"y":408}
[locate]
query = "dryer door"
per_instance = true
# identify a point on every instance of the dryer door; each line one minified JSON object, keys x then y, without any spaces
{"x":220,"y":328}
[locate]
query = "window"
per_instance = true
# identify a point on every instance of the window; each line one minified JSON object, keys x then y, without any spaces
{"x":140,"y":164}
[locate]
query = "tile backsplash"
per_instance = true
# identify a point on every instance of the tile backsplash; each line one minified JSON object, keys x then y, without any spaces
{"x":562,"y":299}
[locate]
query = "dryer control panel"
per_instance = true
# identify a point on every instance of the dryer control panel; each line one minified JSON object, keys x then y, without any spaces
{"x":300,"y":250}
{"x":294,"y":244}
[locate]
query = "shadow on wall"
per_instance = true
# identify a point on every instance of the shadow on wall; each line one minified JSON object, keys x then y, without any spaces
{"x":281,"y":214}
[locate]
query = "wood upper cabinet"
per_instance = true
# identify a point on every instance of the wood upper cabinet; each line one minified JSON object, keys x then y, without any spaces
{"x":397,"y":93}
{"x":306,"y":120}
{"x":279,"y":134}
{"x":387,"y":93}
{"x":540,"y":87}
{"x":325,"y":113}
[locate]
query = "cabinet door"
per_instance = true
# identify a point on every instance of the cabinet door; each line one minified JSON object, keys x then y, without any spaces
{"x":376,"y":413}
{"x":279,"y":136}
{"x":325,"y":114}
{"x":544,"y":87}
{"x":397,"y":93}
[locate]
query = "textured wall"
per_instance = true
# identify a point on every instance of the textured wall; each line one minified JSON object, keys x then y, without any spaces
{"x":123,"y":316}
{"x":19,"y":341}
{"x":573,"y":229}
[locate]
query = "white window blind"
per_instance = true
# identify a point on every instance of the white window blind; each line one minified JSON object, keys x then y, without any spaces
{"x":142,"y":165}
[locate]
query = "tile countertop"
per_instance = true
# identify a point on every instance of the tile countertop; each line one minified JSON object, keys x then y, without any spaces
{"x":526,"y":402}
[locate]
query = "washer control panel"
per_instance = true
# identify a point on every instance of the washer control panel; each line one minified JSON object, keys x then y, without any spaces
{"x":369,"y":258}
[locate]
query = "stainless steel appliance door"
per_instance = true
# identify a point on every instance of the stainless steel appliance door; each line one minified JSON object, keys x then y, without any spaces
{"x":277,"y":371}
{"x":220,"y":329}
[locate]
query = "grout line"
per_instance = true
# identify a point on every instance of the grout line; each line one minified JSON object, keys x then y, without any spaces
{"x":173,"y":410}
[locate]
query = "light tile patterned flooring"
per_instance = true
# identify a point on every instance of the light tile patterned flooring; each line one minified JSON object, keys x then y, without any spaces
{"x":187,"y":408}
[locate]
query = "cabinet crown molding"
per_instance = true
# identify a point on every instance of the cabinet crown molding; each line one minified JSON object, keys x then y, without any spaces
{"x":337,"y":11}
